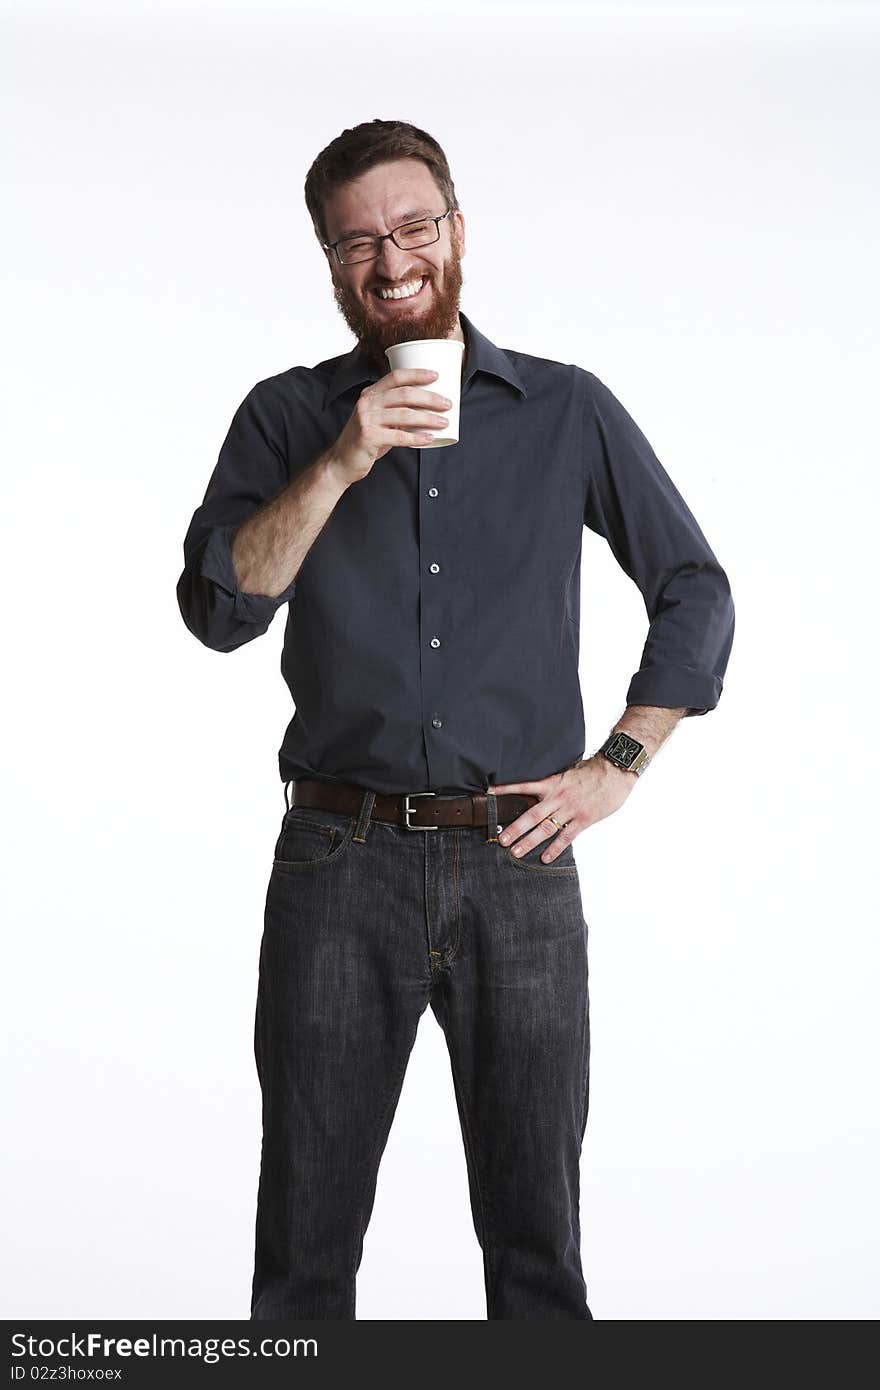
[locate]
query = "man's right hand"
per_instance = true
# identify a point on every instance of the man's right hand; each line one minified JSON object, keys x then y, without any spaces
{"x":397,"y":411}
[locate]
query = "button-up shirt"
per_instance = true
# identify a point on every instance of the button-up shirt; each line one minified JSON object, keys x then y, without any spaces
{"x":432,"y":633}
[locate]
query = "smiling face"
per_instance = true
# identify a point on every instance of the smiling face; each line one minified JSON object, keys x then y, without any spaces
{"x":385,"y":196}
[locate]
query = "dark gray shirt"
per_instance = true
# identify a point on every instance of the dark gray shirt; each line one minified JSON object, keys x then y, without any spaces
{"x":432,"y":632}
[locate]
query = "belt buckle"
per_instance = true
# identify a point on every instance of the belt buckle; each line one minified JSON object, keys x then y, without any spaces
{"x":409,"y":810}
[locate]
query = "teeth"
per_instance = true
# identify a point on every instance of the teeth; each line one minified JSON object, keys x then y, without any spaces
{"x":404,"y":292}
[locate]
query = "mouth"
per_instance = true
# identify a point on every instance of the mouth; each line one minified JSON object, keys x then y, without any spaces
{"x":406,"y":299}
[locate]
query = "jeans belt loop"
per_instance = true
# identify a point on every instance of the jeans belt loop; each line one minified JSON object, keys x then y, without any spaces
{"x":364,"y":818}
{"x":493,"y":827}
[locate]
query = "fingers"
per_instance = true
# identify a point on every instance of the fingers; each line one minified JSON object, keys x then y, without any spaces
{"x":403,"y":384}
{"x":532,"y":820}
{"x":411,"y":418}
{"x":411,"y":384}
{"x":408,"y":395}
{"x":545,"y":830}
{"x":557,"y":845}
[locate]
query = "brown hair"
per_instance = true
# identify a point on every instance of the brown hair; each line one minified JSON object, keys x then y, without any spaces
{"x":355,"y":151}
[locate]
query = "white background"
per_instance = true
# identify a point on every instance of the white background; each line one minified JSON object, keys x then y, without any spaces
{"x":679,"y":198}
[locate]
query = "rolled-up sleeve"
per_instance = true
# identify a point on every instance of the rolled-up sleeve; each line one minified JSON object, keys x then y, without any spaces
{"x":633,"y":503}
{"x":252,"y":468}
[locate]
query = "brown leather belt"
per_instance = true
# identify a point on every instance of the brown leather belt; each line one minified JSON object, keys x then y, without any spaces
{"x":415,"y":810}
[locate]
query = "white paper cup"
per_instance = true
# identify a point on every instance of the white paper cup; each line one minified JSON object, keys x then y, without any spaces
{"x":443,"y":355}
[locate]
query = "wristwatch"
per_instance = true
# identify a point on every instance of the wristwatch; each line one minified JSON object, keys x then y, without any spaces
{"x":626,"y":752}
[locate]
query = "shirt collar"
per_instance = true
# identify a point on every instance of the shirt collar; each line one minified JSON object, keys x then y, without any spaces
{"x":355,"y":368}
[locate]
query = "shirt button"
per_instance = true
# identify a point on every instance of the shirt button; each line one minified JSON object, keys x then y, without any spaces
{"x":435,"y":569}
{"x":432,"y":492}
{"x":435,"y":641}
{"x":437,"y":723}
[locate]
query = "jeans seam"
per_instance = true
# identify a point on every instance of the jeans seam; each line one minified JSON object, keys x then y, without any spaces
{"x":456,"y":889}
{"x":395,"y":1084}
{"x":586,"y":1066}
{"x":485,"y":1206}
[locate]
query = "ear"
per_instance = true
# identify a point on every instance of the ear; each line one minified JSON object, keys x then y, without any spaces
{"x":458,"y":219}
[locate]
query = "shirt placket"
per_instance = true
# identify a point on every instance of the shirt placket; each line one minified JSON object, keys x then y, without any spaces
{"x":435,"y":652}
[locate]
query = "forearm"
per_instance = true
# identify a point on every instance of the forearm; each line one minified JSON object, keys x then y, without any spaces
{"x":269,"y":548}
{"x":650,"y":724}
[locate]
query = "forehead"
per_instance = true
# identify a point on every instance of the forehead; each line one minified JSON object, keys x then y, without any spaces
{"x":381,"y":198}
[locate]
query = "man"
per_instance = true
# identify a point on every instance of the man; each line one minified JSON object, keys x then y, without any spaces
{"x":435,"y":756}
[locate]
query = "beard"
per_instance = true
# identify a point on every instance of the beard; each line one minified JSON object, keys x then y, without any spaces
{"x":378,"y":329}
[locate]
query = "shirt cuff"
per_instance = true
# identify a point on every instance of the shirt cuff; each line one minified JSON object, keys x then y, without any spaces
{"x":675,"y":687}
{"x":217,"y":567}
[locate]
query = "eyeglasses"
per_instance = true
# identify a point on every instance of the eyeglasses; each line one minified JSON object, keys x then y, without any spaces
{"x":351,"y":249}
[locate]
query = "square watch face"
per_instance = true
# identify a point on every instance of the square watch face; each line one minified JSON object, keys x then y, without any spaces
{"x":623,"y":748}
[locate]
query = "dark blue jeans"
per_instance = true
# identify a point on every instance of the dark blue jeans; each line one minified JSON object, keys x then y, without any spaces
{"x":366,"y":923}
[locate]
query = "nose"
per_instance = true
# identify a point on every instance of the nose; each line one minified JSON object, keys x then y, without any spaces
{"x":392,"y":263}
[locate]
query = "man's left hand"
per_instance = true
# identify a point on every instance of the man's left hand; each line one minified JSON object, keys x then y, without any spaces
{"x":578,"y":797}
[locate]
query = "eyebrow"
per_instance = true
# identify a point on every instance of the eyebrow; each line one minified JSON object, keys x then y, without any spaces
{"x":404,"y":217}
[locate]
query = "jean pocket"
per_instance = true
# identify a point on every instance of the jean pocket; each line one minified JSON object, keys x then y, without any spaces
{"x":564,"y":863}
{"x":310,"y":838}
